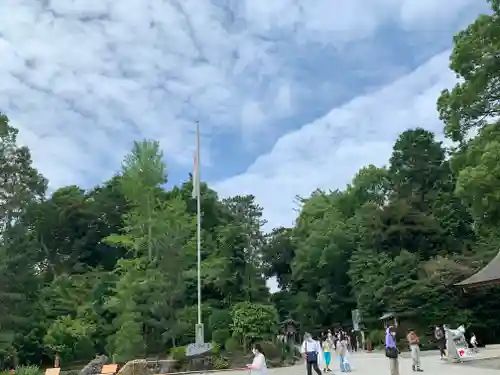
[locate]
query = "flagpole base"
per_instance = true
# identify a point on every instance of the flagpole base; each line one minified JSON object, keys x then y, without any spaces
{"x":200,"y":333}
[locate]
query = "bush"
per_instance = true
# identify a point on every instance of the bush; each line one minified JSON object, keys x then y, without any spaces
{"x":285,"y":349}
{"x":232,"y":345}
{"x":178,"y":353}
{"x":28,"y":370}
{"x":215,"y":348}
{"x":377,"y":338}
{"x":221,"y":335}
{"x":271,"y":351}
{"x":221,"y":363}
{"x":254,"y":321}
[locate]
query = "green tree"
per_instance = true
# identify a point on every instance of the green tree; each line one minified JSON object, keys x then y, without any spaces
{"x":474,"y":101}
{"x":479,"y":178}
{"x":22,"y":186}
{"x":143,"y":173}
{"x":70,"y":337}
{"x":21,"y":183}
{"x":278,"y":252}
{"x":417,"y":168}
{"x":252,"y":322}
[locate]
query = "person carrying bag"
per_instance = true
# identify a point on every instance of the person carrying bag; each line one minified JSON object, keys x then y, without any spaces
{"x":310,"y":351}
{"x":391,"y":350}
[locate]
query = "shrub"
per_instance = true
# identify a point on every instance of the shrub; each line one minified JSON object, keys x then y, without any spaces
{"x":253,"y":321}
{"x":215,"y":348}
{"x":178,"y":353}
{"x":28,"y":370}
{"x":376,"y":337}
{"x":221,"y":335}
{"x":232,"y":345}
{"x":285,"y":349}
{"x":271,"y":351}
{"x":221,"y":363}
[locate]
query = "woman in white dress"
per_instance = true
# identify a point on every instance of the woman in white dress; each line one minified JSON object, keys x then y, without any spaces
{"x":258,"y":366}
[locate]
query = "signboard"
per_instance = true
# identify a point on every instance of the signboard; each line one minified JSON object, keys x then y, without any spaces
{"x":356,"y":319}
{"x":197,"y":349}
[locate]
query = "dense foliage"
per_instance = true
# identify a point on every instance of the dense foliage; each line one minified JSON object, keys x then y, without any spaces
{"x":113,"y":269}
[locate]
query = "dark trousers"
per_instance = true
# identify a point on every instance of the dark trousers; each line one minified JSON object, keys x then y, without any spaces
{"x":442,"y":345}
{"x":312,"y":365}
{"x":442,"y":351}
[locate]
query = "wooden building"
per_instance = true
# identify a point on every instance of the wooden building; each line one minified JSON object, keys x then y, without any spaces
{"x":486,"y":276}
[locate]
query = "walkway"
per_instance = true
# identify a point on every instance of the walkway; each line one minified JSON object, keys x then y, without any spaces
{"x":377,"y":364}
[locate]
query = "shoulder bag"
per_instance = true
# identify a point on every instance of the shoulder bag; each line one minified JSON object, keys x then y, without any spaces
{"x":311,"y":356}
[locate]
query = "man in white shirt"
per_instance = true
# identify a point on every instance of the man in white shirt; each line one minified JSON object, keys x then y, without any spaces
{"x":312,"y":353}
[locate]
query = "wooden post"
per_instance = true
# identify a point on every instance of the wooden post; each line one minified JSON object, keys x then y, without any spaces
{"x":57,"y":361}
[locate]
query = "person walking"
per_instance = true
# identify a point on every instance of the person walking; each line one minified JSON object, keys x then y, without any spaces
{"x":311,"y":351}
{"x":414,"y":342}
{"x":354,"y":340}
{"x":473,"y":343}
{"x":327,"y":352}
{"x":343,"y":353}
{"x":258,"y":366}
{"x":439,"y":335}
{"x":391,"y":350}
{"x":341,"y":349}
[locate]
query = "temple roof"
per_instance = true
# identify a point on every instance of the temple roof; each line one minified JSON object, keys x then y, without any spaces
{"x":387,"y":315}
{"x":488,"y":275}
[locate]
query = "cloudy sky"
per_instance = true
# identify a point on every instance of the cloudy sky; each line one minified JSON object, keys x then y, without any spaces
{"x":290,"y":97}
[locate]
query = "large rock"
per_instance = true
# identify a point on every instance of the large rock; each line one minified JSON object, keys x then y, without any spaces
{"x":165,"y":366}
{"x":135,"y":367}
{"x":94,"y":366}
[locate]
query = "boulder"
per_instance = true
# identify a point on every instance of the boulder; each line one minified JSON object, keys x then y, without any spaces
{"x":166,"y":366}
{"x":94,"y":366}
{"x":135,"y":367}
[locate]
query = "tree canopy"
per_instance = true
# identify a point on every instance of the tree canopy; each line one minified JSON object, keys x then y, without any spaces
{"x":113,"y":269}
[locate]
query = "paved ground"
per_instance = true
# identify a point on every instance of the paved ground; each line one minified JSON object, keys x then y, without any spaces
{"x":377,"y":364}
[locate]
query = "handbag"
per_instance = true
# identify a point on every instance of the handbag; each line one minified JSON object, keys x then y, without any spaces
{"x":311,"y":356}
{"x":391,"y":352}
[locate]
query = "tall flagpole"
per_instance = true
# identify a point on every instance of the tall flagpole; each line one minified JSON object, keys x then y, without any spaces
{"x":200,"y":331}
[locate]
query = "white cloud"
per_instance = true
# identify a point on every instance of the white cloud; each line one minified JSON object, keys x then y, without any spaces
{"x":83,"y":78}
{"x":327,"y":152}
{"x":344,"y":21}
{"x":430,"y":15}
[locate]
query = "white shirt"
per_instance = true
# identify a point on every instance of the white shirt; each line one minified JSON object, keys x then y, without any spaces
{"x":312,"y":346}
{"x":259,"y":366}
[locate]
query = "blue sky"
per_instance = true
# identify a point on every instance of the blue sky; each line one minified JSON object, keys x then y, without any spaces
{"x":290,"y":97}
